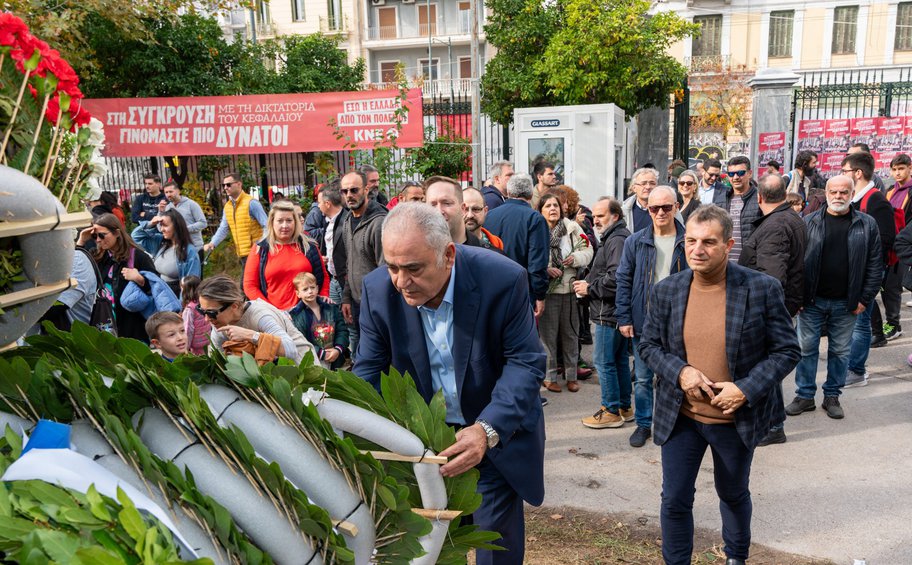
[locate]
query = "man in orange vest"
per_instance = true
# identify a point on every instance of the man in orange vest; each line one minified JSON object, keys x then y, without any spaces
{"x":243,"y":216}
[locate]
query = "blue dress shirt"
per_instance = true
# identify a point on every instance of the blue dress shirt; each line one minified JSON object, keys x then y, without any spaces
{"x":438,"y":337}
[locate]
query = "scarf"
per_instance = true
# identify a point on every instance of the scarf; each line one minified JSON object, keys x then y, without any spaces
{"x":557,"y":234}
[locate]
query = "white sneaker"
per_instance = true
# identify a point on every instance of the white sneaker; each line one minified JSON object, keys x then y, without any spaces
{"x":909,"y":304}
{"x":853,"y":379}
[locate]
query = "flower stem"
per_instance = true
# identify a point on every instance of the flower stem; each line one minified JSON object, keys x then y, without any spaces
{"x":54,"y":149}
{"x":75,"y":185}
{"x":12,"y":122}
{"x":44,"y":105}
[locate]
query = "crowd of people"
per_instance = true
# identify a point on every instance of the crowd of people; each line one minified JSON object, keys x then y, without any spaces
{"x":714,"y":284}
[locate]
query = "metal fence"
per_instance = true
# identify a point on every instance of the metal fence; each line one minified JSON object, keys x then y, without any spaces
{"x":444,"y":109}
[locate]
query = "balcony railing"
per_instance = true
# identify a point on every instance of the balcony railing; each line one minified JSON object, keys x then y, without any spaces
{"x":429,"y":88}
{"x":707,"y":63}
{"x":334,"y":24}
{"x":415,"y":32}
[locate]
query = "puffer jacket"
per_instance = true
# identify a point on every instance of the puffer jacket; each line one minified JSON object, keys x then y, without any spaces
{"x":575,"y":238}
{"x":750,"y":212}
{"x":903,"y":248}
{"x":865,"y":260}
{"x":364,"y":249}
{"x":636,"y":275}
{"x":602,"y":276}
{"x":160,"y":299}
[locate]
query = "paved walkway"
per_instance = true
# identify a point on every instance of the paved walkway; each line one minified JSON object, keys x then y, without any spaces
{"x":838,"y":489}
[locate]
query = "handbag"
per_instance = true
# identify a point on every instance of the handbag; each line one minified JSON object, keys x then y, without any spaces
{"x":102,"y":317}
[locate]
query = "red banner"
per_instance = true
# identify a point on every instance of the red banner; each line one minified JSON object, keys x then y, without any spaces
{"x":772,"y":147}
{"x":272,"y":123}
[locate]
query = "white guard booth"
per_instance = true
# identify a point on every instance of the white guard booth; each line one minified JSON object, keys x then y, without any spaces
{"x":587,"y":144}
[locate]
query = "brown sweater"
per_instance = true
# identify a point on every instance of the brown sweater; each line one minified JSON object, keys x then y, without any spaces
{"x":704,"y":342}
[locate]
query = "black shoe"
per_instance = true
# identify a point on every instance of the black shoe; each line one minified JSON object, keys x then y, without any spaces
{"x":833,"y":408}
{"x":878,"y":341}
{"x":777,"y":436}
{"x":800,"y":405}
{"x":892,"y":331}
{"x":586,"y":339}
{"x":639,"y":436}
{"x":733,"y":561}
{"x":544,"y":401}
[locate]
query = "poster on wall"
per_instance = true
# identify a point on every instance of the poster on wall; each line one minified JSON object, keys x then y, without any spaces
{"x":890,"y":134}
{"x":864,"y":130}
{"x":771,"y":147}
{"x":838,"y":135}
{"x":811,"y":135}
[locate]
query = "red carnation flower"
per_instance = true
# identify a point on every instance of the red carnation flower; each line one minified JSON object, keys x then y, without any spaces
{"x":10,"y":27}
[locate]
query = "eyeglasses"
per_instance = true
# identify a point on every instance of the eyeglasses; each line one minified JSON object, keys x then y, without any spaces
{"x":712,"y":175}
{"x":227,"y":184}
{"x":685,"y":183}
{"x":849,"y":171}
{"x":667,"y":208}
{"x":99,"y":235}
{"x":352,"y":191}
{"x":737,"y":173}
{"x":648,"y":183}
{"x":212,"y":313}
{"x":476,"y":209}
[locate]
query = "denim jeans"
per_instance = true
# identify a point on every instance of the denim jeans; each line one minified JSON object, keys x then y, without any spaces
{"x":861,"y":341}
{"x":613,"y":366}
{"x":643,"y":396}
{"x":682,"y":455}
{"x":832,"y":314}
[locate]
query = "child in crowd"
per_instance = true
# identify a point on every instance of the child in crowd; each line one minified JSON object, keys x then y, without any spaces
{"x":320,"y":321}
{"x":196,"y":325}
{"x":166,"y":334}
{"x":795,"y":201}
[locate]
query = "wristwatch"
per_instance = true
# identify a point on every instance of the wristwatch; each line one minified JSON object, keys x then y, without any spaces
{"x":255,"y":338}
{"x":491,"y":433}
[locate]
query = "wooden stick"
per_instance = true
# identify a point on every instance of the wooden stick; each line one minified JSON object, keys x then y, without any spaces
{"x":34,"y":293}
{"x":346,"y":527}
{"x":389,"y":456}
{"x":67,"y":221}
{"x":436,"y":515}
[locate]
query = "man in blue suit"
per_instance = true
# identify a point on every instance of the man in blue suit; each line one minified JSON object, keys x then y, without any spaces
{"x":720,"y":341}
{"x":435,"y":311}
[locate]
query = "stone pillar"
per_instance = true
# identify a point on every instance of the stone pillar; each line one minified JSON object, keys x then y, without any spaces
{"x":772,"y":108}
{"x":652,"y":139}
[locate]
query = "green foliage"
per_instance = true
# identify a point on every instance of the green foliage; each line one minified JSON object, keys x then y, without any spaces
{"x":581,"y":52}
{"x":60,"y":376}
{"x":445,"y":153}
{"x":314,"y":63}
{"x":10,"y":264}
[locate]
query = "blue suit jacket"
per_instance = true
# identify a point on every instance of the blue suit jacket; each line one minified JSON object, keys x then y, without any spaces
{"x":499,"y":359}
{"x":760,"y":343}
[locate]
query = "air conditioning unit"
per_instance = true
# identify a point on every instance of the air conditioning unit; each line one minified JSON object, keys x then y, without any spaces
{"x":408,"y":1}
{"x":378,"y":2}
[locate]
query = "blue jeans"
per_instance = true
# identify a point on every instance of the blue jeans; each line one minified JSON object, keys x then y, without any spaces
{"x":681,"y":458}
{"x":613,"y":366}
{"x":643,"y":396}
{"x":861,"y":342}
{"x":832,"y":314}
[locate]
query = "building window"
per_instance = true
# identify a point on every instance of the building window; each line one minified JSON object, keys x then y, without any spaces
{"x":465,"y":17}
{"x":426,"y":23}
{"x":780,"y":41}
{"x":465,"y":67}
{"x":903,"y":41}
{"x":709,"y":42}
{"x":387,"y":28}
{"x":845,"y":24}
{"x":297,"y":10}
{"x":388,"y":71}
{"x":430,"y":71}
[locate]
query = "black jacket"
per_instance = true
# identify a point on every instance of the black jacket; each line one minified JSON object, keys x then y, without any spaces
{"x":363,"y":249}
{"x":880,"y":209}
{"x":776,"y":247}
{"x":903,"y":247}
{"x":865,"y":262}
{"x":145,"y":204}
{"x":601,"y":278}
{"x":129,"y":324}
{"x":750,"y":212}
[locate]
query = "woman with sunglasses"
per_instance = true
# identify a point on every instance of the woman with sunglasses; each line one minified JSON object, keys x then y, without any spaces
{"x":255,"y":326}
{"x":120,"y":261}
{"x":687,"y":188}
{"x":283,"y":252}
{"x":569,"y":251}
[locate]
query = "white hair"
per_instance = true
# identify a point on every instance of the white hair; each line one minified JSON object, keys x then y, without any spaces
{"x":665,"y":188}
{"x":640,"y":172}
{"x":520,"y":186}
{"x":422,"y":217}
{"x":497,"y":168}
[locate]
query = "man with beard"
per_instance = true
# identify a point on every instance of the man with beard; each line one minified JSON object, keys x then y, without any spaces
{"x":364,"y":250}
{"x":610,"y":358}
{"x":445,"y":194}
{"x":800,"y":179}
{"x":474,"y":214}
{"x":843,"y":268}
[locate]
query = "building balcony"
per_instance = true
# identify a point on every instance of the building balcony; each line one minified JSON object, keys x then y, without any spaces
{"x":708,"y":63}
{"x":335,"y":24}
{"x":387,"y":33}
{"x":431,"y":88}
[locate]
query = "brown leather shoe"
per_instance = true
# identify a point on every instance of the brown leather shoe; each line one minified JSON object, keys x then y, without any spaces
{"x":553,"y":386}
{"x":573,"y":386}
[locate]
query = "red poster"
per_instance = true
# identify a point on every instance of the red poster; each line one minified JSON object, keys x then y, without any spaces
{"x":272,"y":123}
{"x":864,"y":130}
{"x":810,"y":135}
{"x":890,"y":134}
{"x":837,"y":136}
{"x":830,"y":164}
{"x":907,"y":134}
{"x":771,"y":147}
{"x":882,"y":163}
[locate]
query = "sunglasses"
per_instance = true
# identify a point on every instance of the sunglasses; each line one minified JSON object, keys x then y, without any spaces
{"x":667,"y":208}
{"x":99,"y":235}
{"x":737,"y":173}
{"x":212,"y":313}
{"x":685,"y":183}
{"x":227,"y":184}
{"x":352,"y":191}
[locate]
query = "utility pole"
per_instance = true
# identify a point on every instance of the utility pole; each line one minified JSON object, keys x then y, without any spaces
{"x":477,"y":174}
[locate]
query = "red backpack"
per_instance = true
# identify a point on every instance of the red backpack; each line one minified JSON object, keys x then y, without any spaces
{"x":899,"y":221}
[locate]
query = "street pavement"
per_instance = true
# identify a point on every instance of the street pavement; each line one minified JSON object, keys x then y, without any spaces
{"x":837,"y":489}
